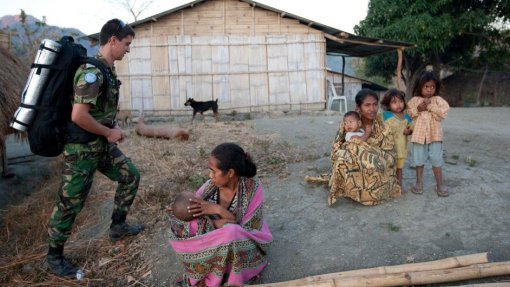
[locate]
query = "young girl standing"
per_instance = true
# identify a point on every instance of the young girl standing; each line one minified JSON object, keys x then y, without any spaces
{"x":428,"y":109}
{"x":399,"y":123}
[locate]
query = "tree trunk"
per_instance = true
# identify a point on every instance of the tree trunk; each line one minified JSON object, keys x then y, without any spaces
{"x":479,"y":94}
{"x":412,"y":79}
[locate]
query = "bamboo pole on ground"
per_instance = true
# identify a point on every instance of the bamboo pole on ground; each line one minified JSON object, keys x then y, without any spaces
{"x":475,"y":271}
{"x":501,"y":284}
{"x":447,"y":263}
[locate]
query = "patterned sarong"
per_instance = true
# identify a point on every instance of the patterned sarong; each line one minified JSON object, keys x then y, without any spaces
{"x":364,"y":171}
{"x":230,"y":255}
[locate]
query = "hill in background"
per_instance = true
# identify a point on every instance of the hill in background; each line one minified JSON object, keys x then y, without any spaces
{"x":19,"y":41}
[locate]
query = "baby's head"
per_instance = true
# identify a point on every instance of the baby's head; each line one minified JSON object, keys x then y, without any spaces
{"x":180,"y":206}
{"x":352,"y":121}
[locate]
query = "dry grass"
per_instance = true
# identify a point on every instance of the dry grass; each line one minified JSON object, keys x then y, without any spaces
{"x":13,"y":75}
{"x":167,"y":167}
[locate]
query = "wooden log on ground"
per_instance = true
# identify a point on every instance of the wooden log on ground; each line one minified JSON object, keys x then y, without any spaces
{"x":446,"y":263}
{"x":160,"y":132}
{"x":322,"y":179}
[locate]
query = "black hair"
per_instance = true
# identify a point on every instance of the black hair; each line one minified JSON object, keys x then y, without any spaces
{"x":232,"y":156}
{"x":363,"y":94}
{"x":353,"y":114}
{"x":389,"y":95}
{"x":426,"y":76}
{"x":114,"y":27}
{"x":180,"y":206}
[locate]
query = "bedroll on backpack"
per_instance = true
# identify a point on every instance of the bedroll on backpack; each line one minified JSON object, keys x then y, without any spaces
{"x":47,"y":133}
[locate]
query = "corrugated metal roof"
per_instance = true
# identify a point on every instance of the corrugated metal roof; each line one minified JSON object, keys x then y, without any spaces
{"x":337,"y":41}
{"x":340,"y":42}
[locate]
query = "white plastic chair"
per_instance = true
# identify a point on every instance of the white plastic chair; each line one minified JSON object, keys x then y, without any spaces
{"x":332,"y":96}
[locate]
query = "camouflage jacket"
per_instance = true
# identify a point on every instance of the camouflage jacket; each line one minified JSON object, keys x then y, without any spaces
{"x":88,"y":80}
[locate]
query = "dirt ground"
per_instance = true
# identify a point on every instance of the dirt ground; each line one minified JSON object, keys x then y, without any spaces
{"x":311,"y":239}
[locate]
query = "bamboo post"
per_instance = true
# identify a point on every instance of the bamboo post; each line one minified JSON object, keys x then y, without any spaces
{"x":447,"y":263}
{"x":398,"y":72}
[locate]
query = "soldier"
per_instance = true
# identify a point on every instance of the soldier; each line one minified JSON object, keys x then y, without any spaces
{"x":93,"y":135}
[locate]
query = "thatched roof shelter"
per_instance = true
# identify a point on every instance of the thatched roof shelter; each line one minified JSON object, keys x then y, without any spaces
{"x":13,"y":75}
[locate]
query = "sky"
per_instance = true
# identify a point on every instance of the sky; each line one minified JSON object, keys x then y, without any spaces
{"x":89,"y":15}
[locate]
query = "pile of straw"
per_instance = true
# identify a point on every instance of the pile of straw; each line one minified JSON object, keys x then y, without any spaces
{"x":13,"y":75}
{"x":167,"y":167}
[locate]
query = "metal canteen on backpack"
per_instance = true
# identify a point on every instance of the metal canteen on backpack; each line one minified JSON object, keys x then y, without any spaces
{"x":46,"y":55}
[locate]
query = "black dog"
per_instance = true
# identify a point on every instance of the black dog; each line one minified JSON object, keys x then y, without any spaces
{"x":201,"y":107}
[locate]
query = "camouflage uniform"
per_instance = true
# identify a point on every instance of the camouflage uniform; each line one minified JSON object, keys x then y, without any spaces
{"x":82,"y":160}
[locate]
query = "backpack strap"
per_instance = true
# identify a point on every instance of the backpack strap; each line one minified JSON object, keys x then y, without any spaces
{"x":102,"y":67}
{"x":76,"y":134}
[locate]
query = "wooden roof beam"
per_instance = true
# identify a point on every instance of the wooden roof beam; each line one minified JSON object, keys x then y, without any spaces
{"x":378,"y":43}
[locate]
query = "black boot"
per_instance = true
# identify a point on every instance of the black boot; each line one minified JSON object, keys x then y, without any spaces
{"x":120,"y":228}
{"x":117,"y":231}
{"x":58,"y":264}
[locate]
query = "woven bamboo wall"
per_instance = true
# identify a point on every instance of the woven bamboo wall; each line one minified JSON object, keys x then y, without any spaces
{"x":248,"y":58}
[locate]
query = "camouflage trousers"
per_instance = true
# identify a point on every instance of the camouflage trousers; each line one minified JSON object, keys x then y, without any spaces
{"x":81,"y":162}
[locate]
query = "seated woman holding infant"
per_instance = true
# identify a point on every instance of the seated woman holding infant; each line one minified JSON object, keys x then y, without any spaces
{"x":363,"y":168}
{"x":224,"y":241}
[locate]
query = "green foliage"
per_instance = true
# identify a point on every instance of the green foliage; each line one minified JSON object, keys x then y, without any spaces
{"x":446,"y":32}
{"x":365,"y":72}
{"x":197,"y":180}
{"x":470,"y":161}
{"x":202,"y":152}
{"x":263,"y":145}
{"x":275,"y":160}
{"x":392,"y":227}
{"x":30,"y":33}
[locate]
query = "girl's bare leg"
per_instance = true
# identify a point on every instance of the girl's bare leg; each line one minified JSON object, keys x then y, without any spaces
{"x":441,"y":190}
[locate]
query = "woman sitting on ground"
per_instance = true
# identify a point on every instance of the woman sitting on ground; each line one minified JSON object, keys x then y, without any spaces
{"x":364,"y":168}
{"x":226,"y":242}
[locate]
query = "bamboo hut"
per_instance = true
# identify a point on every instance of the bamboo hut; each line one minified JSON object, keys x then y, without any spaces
{"x":249,"y":56}
{"x":12,"y":78}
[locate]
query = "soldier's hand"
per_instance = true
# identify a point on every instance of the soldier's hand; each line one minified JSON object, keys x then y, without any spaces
{"x":114,"y":136}
{"x":122,"y":134}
